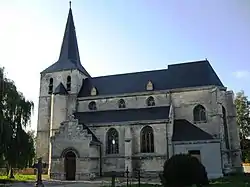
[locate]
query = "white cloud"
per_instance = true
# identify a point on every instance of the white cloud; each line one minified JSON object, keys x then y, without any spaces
{"x":241,"y":74}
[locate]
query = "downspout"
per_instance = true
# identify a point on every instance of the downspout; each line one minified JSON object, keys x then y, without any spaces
{"x":100,"y":149}
{"x":172,"y":123}
{"x":167,"y":142}
{"x":167,"y":128}
{"x":221,"y":160}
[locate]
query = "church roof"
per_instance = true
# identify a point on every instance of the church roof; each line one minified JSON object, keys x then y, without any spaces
{"x":69,"y":56}
{"x":186,"y":131}
{"x":183,"y":75}
{"x":112,"y":116}
{"x":94,"y":138}
{"x":61,"y":90}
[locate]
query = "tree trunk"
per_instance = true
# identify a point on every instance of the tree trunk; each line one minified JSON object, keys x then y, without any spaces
{"x":11,"y":173}
{"x":7,"y":170}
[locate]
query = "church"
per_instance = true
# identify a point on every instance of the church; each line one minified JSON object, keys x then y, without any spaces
{"x":90,"y":126}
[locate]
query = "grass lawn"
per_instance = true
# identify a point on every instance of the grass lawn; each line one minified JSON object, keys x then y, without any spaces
{"x":20,"y":178}
{"x":233,"y":181}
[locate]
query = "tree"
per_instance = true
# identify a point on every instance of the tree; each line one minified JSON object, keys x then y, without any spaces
{"x":183,"y":170}
{"x":243,"y":111}
{"x":17,"y":146}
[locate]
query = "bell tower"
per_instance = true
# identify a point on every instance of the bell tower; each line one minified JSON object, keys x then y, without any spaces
{"x":62,"y":79}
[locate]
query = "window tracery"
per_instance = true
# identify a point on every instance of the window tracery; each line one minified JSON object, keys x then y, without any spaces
{"x":147,"y":140}
{"x":92,"y":105}
{"x":150,"y":101}
{"x":199,"y":114}
{"x":121,"y":103}
{"x":112,"y":141}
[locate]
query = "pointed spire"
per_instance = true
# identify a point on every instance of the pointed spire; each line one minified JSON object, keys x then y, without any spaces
{"x":69,"y":55}
{"x":69,"y":48}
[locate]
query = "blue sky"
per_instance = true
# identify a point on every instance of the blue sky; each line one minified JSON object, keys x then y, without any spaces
{"x":118,"y":36}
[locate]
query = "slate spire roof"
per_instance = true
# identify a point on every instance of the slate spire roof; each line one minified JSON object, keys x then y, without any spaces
{"x":69,"y":56}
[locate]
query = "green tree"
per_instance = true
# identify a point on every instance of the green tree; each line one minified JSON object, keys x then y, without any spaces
{"x":243,"y":111}
{"x":17,"y":146}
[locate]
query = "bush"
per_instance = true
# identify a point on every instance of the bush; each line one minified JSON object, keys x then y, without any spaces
{"x":183,"y":170}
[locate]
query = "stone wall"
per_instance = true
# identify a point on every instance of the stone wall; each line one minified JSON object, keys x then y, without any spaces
{"x":132,"y":101}
{"x":72,"y":137}
{"x":148,"y":162}
{"x":183,"y":101}
{"x":44,"y":106}
{"x":213,"y":164}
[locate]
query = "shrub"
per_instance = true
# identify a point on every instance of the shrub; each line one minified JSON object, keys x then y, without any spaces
{"x":183,"y":170}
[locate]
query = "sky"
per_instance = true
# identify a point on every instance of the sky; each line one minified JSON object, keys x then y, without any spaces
{"x":121,"y":36}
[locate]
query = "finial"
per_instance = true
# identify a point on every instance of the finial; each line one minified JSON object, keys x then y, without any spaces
{"x":69,"y":4}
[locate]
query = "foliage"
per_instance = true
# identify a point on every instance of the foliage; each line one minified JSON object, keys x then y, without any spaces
{"x":184,"y":167}
{"x":17,"y":146}
{"x":243,"y":120}
{"x":245,"y":147}
{"x":243,"y":111}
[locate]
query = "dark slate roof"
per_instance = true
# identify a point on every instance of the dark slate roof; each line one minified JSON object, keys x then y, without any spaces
{"x":69,"y":56}
{"x":61,"y":90}
{"x":192,"y":74}
{"x":94,"y":138}
{"x":186,"y":131}
{"x":109,"y":116}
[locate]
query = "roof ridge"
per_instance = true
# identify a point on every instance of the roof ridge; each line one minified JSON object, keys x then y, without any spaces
{"x":189,"y":62}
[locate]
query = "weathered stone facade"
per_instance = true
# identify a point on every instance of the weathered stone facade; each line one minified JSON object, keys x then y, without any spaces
{"x":183,"y":101}
{"x":79,"y":147}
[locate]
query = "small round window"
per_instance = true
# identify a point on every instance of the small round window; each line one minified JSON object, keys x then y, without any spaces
{"x":92,"y":105}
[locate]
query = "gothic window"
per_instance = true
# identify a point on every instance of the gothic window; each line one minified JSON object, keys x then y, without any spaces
{"x":121,"y":103}
{"x":226,"y":136}
{"x":68,"y":83}
{"x":50,"y":85}
{"x":150,"y":101}
{"x":92,"y":105}
{"x":147,"y":140}
{"x":112,"y":142}
{"x":149,"y":86}
{"x":199,"y":114}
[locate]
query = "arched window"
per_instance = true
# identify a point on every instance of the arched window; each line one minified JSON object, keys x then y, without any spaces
{"x":92,"y":105}
{"x":150,"y":101}
{"x":112,"y":142}
{"x":50,"y":86}
{"x":121,"y":103}
{"x":226,"y":135}
{"x":68,"y":83}
{"x":199,"y":114}
{"x":147,"y":140}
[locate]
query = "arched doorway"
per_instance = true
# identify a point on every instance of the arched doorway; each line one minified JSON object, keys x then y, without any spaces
{"x":70,"y":165}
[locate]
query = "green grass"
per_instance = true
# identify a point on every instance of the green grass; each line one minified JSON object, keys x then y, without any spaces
{"x":232,"y":181}
{"x":20,"y":178}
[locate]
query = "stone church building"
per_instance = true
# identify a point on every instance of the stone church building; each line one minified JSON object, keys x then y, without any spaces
{"x":91,"y":126}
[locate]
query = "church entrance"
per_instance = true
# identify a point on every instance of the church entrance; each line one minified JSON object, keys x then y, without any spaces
{"x":70,"y":165}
